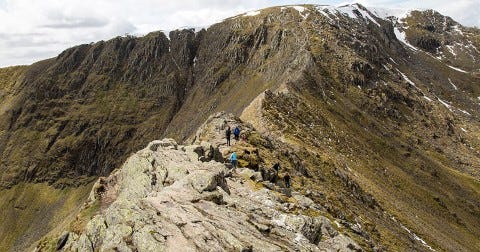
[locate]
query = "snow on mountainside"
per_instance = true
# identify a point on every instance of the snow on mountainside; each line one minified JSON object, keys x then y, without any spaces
{"x":450,"y":48}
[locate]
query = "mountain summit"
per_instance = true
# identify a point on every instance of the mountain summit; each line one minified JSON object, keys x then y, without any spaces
{"x":374,"y":114}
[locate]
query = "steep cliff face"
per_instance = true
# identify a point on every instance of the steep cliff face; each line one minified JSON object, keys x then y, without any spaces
{"x":382,"y":110}
{"x":76,"y":115}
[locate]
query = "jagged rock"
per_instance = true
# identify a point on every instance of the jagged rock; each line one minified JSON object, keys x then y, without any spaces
{"x":116,"y":238}
{"x":194,"y":152}
{"x":165,"y":143}
{"x":96,"y":231}
{"x":269,"y":185}
{"x":286,"y":191}
{"x":269,"y":174}
{"x":211,"y":152}
{"x":248,"y":173}
{"x":82,"y":244}
{"x":148,"y":238}
{"x":339,"y":243}
{"x":200,"y":209}
{"x":303,"y":201}
{"x":208,"y":181}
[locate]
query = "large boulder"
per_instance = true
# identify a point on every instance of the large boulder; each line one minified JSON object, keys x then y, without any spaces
{"x":165,"y":143}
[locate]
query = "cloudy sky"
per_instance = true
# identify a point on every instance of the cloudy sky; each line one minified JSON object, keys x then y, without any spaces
{"x":32,"y":30}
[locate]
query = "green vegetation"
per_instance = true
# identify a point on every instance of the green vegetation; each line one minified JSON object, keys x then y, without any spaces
{"x":31,"y":210}
{"x":8,"y":77}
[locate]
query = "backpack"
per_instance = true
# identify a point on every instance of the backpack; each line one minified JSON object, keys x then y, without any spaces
{"x":236,"y":131}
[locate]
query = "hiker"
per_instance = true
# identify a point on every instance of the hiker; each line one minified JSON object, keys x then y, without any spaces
{"x":286,"y":178}
{"x":274,"y":176}
{"x":233,"y":159}
{"x":236,"y":133}
{"x":276,"y":167}
{"x":228,"y":133}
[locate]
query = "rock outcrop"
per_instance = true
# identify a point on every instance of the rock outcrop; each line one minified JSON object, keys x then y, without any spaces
{"x":165,"y":199}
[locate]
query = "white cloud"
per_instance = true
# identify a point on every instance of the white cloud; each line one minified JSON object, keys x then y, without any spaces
{"x":35,"y":30}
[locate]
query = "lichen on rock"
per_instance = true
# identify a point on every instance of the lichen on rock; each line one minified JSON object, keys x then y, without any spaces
{"x":197,"y":207}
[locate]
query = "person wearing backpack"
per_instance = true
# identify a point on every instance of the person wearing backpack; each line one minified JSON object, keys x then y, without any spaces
{"x":286,"y":178}
{"x":228,"y":133}
{"x":236,"y":133}
{"x":233,"y":160}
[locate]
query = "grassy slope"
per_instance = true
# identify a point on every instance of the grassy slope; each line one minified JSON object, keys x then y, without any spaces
{"x":420,"y":189}
{"x":8,"y":78}
{"x":31,"y":210}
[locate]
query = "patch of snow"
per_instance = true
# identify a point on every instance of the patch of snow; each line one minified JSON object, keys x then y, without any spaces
{"x":298,"y":8}
{"x":251,"y":13}
{"x":455,"y":87}
{"x":445,"y":104}
{"x":450,"y":48}
{"x":464,"y":130}
{"x":347,"y":10}
{"x":386,"y":13}
{"x":458,"y":69}
{"x":403,"y":38}
{"x":368,"y":16}
{"x":457,"y":29}
{"x":320,"y":9}
{"x":427,"y":98}
{"x":393,"y":61}
{"x":465,"y":112}
{"x":470,"y":45}
{"x":415,"y":236}
{"x":407,"y":79}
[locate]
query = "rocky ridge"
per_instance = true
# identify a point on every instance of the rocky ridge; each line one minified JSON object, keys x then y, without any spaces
{"x":169,"y":196}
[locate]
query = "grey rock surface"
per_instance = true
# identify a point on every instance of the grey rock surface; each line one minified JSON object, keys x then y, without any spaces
{"x":194,"y":206}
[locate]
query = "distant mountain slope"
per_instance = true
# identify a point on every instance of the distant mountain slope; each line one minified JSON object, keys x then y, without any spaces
{"x":384,"y":110}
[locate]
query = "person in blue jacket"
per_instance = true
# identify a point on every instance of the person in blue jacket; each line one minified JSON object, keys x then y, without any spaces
{"x":233,"y":159}
{"x":236,"y":133}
